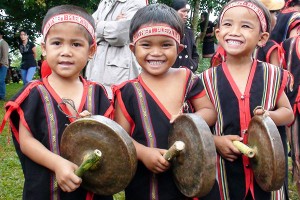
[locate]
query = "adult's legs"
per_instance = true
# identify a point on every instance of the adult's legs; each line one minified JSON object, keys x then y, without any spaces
{"x":24,"y":74}
{"x":30,"y":74}
{"x":3,"y":71}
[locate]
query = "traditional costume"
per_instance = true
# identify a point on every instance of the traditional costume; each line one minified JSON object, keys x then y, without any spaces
{"x":264,"y":87}
{"x":264,"y":53}
{"x":292,"y":55}
{"x":189,"y":56}
{"x":150,"y":124}
{"x":39,"y":108}
{"x":287,"y":19}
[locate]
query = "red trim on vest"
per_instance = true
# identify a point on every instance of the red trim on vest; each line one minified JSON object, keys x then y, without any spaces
{"x":15,"y":105}
{"x":89,"y":196}
{"x":245,"y":117}
{"x":118,"y":95}
{"x":162,"y":107}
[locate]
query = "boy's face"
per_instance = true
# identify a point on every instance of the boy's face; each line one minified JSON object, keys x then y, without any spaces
{"x":239,"y":32}
{"x":67,"y":49}
{"x":156,"y":54}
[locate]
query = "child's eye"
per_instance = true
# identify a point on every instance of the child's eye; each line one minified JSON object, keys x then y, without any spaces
{"x":144,"y":44}
{"x":167,"y":45}
{"x":55,"y":43}
{"x":246,"y":26}
{"x":226,"y":24}
{"x":77,"y":45}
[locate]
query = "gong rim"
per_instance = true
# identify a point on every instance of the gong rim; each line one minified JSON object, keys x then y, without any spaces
{"x":269,"y":162}
{"x":199,"y":156}
{"x":119,"y":159}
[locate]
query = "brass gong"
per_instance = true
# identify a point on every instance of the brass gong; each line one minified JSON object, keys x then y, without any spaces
{"x":118,"y":162}
{"x":194,"y":170}
{"x":268,"y":164}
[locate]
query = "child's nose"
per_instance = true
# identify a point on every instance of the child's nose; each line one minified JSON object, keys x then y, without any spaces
{"x":66,"y":51}
{"x":235,"y":30}
{"x":156,"y":51}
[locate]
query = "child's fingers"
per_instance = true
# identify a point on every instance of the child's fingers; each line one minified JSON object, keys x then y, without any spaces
{"x":76,"y":180}
{"x":72,"y":184}
{"x":85,"y":113}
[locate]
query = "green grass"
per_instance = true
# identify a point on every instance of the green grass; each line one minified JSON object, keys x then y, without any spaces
{"x":11,"y":176}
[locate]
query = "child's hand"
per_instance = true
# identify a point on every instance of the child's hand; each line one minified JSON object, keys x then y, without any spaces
{"x":226,"y":148}
{"x":153,"y":159}
{"x":259,"y":110}
{"x":85,"y":113}
{"x":65,"y":176}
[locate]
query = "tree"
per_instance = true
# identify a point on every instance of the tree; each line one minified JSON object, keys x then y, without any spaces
{"x":28,"y":15}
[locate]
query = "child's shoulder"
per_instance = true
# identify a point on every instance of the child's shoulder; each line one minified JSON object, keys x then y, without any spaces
{"x":181,"y":72}
{"x":126,"y":85}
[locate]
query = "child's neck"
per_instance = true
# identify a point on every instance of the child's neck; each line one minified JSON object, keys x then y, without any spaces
{"x":239,"y":63}
{"x":64,"y":86}
{"x":240,"y":71}
{"x":155,"y":79}
{"x":69,"y":88}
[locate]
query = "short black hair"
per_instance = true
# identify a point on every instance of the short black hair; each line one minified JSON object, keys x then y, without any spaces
{"x":259,"y":4}
{"x":178,"y":4}
{"x":1,"y":32}
{"x":69,"y":9}
{"x":156,"y":14}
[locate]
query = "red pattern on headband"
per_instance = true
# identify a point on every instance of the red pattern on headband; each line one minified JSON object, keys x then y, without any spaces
{"x":256,"y":9}
{"x":69,"y":18}
{"x":156,"y":30}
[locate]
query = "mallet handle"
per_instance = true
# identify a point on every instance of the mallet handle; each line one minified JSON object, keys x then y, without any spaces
{"x":244,"y":149}
{"x":91,"y":160}
{"x":174,"y":150}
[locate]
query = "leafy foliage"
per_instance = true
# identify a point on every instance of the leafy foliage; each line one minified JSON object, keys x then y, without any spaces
{"x":16,"y":15}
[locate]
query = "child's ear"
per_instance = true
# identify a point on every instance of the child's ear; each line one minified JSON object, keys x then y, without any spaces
{"x":180,"y":48}
{"x":217,"y":31}
{"x":43,"y":47}
{"x":92,"y":51}
{"x":132,"y":47}
{"x":263,"y":39}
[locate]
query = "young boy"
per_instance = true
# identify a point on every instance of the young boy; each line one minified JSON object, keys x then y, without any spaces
{"x":145,"y":106}
{"x":39,"y":115}
{"x":236,"y":87}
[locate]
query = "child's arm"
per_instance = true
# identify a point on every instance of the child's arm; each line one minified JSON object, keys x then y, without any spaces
{"x":274,"y":58}
{"x":204,"y":107}
{"x":283,"y":115}
{"x":151,"y":157}
{"x":63,"y":169}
